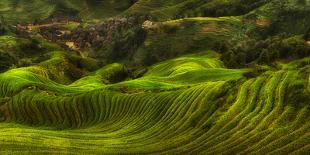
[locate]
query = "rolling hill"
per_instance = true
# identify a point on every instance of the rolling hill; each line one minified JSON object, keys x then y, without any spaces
{"x":155,"y":77}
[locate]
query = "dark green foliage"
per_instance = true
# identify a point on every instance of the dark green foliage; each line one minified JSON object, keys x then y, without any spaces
{"x":298,"y":95}
{"x":138,"y":73}
{"x":31,"y":46}
{"x":288,"y":48}
{"x":255,"y":71}
{"x":81,"y":66}
{"x":307,"y":35}
{"x":242,"y":53}
{"x":267,"y":51}
{"x":113,"y":40}
{"x":231,"y":7}
{"x":170,"y":29}
{"x":302,"y":2}
{"x":217,"y":8}
{"x":62,"y":9}
{"x":3,"y":26}
{"x":286,"y":17}
{"x":6,"y":60}
{"x":294,"y":47}
{"x":25,"y":62}
{"x":126,"y":43}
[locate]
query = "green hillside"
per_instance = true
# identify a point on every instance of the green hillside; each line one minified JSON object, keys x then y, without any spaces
{"x":23,"y":10}
{"x":155,"y":77}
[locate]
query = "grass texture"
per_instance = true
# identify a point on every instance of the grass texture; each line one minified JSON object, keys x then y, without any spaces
{"x":183,"y":104}
{"x":187,"y":105}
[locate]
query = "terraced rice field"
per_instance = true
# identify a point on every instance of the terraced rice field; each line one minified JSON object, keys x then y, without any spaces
{"x":214,"y":110}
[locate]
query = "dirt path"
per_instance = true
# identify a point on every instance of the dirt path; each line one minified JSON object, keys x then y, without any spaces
{"x":46,"y":25}
{"x":31,"y":27}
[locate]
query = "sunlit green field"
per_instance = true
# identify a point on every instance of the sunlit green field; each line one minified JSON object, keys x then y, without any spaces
{"x":184,"y":105}
{"x":210,"y":77}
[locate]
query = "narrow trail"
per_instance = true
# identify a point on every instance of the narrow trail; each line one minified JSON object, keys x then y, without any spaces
{"x":31,"y":27}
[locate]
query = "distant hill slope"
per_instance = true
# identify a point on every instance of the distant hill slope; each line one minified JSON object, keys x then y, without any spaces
{"x":24,"y":10}
{"x":99,"y":9}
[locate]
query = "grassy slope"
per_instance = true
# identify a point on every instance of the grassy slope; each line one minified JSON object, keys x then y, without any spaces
{"x":158,"y":9}
{"x":190,"y":35}
{"x":23,"y":10}
{"x":188,"y":115}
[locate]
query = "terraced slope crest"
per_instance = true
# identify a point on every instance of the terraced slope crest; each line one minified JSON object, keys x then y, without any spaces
{"x":215,"y":113}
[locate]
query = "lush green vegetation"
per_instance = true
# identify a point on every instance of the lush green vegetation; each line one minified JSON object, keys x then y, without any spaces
{"x":202,"y":77}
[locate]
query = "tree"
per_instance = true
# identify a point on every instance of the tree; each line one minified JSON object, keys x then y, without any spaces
{"x":302,"y":2}
{"x":6,"y":60}
{"x":3,"y":27}
{"x":307,"y":35}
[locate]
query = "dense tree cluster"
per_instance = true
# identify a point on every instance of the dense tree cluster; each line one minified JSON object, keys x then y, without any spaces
{"x":266,"y":51}
{"x":6,"y":60}
{"x":3,"y":27}
{"x":112,"y":40}
{"x":18,"y":54}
